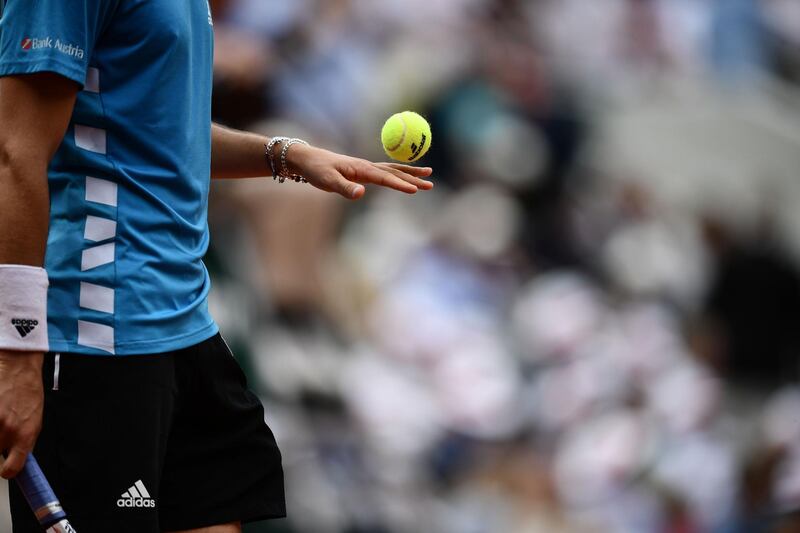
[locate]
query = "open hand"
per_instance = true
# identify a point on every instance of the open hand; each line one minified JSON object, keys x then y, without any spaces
{"x":347,"y":175}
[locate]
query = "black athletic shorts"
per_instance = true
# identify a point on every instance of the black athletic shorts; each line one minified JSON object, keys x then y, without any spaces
{"x":154,"y":443}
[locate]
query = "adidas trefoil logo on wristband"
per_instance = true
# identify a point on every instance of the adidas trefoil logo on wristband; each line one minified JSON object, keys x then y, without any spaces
{"x":24,"y":325}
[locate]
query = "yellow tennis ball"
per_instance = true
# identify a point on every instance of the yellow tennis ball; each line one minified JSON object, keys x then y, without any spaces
{"x":406,"y":136}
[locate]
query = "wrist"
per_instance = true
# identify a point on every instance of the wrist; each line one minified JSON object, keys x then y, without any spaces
{"x":284,"y":160}
{"x":23,"y":308}
{"x":273,"y":153}
{"x":296,"y":156}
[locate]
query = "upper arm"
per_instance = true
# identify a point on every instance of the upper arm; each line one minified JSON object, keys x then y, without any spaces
{"x":35,"y":111}
{"x":45,"y":49}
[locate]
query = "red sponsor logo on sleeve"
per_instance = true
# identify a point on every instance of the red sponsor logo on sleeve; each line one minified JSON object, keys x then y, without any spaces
{"x":26,"y":44}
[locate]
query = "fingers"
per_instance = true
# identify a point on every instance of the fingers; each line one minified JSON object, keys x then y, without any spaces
{"x":420,"y":172}
{"x":14,"y":463}
{"x":335,"y":182}
{"x":347,"y":175}
{"x":366,"y":172}
{"x":418,"y":182}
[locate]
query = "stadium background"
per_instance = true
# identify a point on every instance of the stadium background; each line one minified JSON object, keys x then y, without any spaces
{"x":590,"y":325}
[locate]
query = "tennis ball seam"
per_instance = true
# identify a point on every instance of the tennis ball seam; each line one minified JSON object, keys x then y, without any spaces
{"x":402,"y":138}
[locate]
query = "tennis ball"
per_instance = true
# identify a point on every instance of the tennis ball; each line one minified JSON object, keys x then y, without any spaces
{"x":406,"y":136}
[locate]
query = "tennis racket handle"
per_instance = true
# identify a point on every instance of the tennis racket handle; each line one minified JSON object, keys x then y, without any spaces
{"x":41,"y":498}
{"x":61,"y":527}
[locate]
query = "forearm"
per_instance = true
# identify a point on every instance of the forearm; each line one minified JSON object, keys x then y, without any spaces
{"x":237,"y":154}
{"x":24,"y":209}
{"x":24,"y":218}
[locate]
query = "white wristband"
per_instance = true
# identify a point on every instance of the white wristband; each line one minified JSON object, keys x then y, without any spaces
{"x":23,"y":308}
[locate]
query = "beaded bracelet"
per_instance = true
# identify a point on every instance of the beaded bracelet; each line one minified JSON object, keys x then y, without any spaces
{"x":268,"y":152}
{"x":285,"y":167}
{"x":283,"y":174}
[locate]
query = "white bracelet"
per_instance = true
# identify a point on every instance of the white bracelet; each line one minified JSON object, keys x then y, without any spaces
{"x":282,"y":174}
{"x":23,"y":308}
{"x":270,"y":158}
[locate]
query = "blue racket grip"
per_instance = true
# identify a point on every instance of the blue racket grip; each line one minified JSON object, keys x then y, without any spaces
{"x":41,"y":498}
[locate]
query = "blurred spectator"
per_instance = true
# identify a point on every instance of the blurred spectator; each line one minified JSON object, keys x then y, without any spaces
{"x":754,"y":301}
{"x":548,"y":342}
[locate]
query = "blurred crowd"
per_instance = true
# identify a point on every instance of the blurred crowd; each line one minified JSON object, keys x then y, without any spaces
{"x":592,"y":324}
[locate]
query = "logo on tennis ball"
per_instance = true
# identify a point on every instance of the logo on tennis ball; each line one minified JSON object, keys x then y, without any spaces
{"x":26,"y":44}
{"x":416,"y":150}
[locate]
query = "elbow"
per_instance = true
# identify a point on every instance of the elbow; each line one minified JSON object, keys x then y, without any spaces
{"x":18,"y":161}
{"x":22,"y":175}
{"x":6,"y":157}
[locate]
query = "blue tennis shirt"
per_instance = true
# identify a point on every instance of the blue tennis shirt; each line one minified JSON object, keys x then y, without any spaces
{"x":129,"y":183}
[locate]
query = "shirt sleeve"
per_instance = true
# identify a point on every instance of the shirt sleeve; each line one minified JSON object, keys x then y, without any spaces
{"x":51,"y":36}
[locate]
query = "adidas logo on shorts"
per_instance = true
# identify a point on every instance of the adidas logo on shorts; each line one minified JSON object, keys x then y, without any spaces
{"x":136,"y":496}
